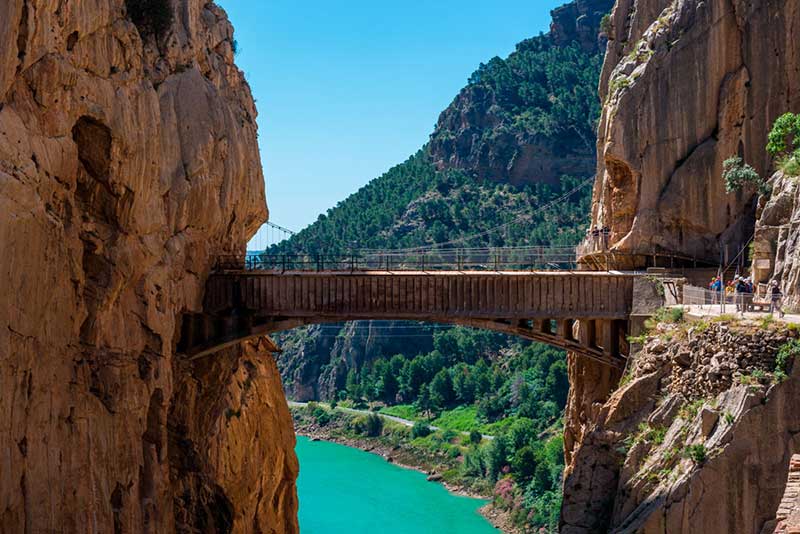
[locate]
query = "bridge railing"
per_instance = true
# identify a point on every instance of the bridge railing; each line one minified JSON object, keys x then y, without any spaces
{"x":500,"y":259}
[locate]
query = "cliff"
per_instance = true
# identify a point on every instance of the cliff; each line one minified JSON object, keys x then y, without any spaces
{"x":776,"y":234}
{"x":698,"y":439}
{"x":523,"y":119}
{"x":686,"y":84}
{"x":128,"y":161}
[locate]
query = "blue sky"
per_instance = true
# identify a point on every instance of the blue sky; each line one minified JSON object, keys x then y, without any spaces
{"x":345,"y":90}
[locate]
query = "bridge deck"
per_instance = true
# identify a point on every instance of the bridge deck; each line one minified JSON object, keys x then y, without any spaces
{"x":421,"y":295}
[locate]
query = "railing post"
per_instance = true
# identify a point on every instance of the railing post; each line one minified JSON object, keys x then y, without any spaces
{"x":283,"y":262}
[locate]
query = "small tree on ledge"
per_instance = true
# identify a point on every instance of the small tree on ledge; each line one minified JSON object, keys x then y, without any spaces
{"x":738,"y":175}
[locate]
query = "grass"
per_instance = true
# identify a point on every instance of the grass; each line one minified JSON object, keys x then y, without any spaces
{"x":664,"y":315}
{"x":728,"y":418}
{"x":697,"y":453}
{"x":463,"y":419}
{"x":790,"y":165}
{"x":690,"y":410}
{"x":403,"y":411}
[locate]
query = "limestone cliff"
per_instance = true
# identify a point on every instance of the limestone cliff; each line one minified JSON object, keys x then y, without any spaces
{"x":698,"y":440}
{"x":687,"y":84}
{"x":776,"y":238}
{"x":518,"y":132}
{"x":128,"y":160}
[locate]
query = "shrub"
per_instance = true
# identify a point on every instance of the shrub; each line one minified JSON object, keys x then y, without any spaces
{"x":420,"y":430}
{"x":738,"y":175}
{"x":785,"y":358}
{"x":151,"y":17}
{"x":475,"y":437}
{"x":784,"y":137}
{"x":322,"y":418}
{"x":697,"y":453}
{"x":374,"y":425}
{"x":605,"y":24}
{"x":370,"y":425}
{"x":449,"y":435}
{"x":729,"y":418}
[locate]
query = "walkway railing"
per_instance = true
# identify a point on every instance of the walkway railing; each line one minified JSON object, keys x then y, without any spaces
{"x":473,"y":259}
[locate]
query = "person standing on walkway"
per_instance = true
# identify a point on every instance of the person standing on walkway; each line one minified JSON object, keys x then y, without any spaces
{"x":741,"y":290}
{"x":776,"y":299}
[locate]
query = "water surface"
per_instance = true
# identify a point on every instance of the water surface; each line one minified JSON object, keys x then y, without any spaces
{"x":348,"y":491}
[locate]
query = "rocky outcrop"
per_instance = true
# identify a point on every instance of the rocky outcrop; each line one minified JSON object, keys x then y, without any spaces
{"x":482,"y":132}
{"x":579,"y":22}
{"x":787,"y":518}
{"x":127,"y":162}
{"x":697,"y":440}
{"x":686,"y":84}
{"x":316,"y":360}
{"x":776,"y":238}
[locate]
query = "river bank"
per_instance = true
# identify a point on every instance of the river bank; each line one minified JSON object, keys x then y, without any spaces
{"x":394,"y":446}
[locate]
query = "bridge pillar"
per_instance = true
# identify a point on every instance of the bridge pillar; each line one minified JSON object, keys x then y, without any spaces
{"x":587,"y":333}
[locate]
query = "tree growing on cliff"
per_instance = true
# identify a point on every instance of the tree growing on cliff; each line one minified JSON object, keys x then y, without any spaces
{"x":738,"y":175}
{"x":784,"y":143}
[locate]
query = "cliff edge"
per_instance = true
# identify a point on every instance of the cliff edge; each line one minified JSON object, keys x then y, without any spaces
{"x":687,"y":84}
{"x":128,"y":160}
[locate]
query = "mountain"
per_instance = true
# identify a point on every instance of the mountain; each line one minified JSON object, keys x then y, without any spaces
{"x":545,"y":92}
{"x":531,"y":117}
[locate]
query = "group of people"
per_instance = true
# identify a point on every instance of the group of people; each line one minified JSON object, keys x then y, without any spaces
{"x":742,"y":289}
{"x":599,"y":236}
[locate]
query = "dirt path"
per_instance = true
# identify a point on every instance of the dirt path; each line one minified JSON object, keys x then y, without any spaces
{"x":394,"y":418}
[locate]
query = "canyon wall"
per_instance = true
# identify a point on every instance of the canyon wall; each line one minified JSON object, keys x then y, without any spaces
{"x":698,"y":440}
{"x":686,"y":84}
{"x":776,"y":238}
{"x":128,"y":161}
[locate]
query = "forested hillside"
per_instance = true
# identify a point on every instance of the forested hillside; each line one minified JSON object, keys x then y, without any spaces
{"x":500,"y":153}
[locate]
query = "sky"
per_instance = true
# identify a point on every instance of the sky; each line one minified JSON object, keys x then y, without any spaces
{"x":345,"y":90}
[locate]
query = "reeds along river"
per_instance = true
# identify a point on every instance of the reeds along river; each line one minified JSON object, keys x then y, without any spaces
{"x":348,"y":491}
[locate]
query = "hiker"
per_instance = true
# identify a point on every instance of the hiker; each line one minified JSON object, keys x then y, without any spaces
{"x":741,"y":290}
{"x":716,"y":287}
{"x":776,"y":299}
{"x":596,"y":237}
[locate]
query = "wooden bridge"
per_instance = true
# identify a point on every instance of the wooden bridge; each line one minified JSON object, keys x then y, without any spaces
{"x":581,"y":311}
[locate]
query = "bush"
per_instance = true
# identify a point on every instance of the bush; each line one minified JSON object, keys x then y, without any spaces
{"x":369,"y":425}
{"x":697,"y":453}
{"x":738,"y":174}
{"x":605,"y":24}
{"x":374,"y":425}
{"x":420,"y":430}
{"x":151,"y":17}
{"x":475,"y":437}
{"x":785,"y":358}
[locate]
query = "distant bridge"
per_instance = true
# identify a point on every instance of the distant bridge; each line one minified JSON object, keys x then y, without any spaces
{"x":586,"y":312}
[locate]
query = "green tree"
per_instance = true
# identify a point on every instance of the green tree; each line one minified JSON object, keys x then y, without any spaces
{"x":441,"y":390}
{"x":524,"y":464}
{"x":738,"y":175}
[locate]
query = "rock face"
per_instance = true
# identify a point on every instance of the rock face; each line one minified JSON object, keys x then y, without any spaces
{"x":315,"y":362}
{"x":686,"y":84}
{"x":776,"y":239}
{"x":481,"y":133}
{"x":127,"y":162}
{"x":698,"y":440}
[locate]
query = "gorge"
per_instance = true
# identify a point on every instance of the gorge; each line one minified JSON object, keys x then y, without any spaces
{"x":129,"y":163}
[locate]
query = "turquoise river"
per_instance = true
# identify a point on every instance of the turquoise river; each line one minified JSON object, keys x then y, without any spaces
{"x":348,"y":491}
